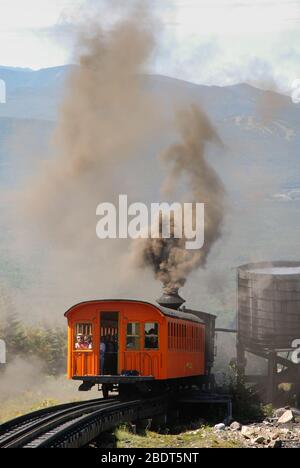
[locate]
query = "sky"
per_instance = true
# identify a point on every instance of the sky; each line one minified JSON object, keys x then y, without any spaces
{"x":205,"y":41}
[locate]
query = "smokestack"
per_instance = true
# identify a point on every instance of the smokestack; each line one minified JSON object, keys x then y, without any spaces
{"x":170,"y":299}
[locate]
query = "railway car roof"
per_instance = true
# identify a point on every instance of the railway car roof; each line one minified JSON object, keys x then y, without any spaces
{"x":178,"y":314}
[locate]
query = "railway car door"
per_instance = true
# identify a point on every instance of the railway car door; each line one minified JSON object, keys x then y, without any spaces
{"x":109,"y":343}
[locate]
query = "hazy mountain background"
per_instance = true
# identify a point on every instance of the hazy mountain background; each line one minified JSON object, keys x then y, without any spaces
{"x":259,"y":165}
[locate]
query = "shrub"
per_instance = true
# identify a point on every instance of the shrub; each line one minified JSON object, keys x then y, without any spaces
{"x":49,"y":345}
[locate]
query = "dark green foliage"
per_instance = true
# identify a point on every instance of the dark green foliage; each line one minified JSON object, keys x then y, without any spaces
{"x":14,"y":334}
{"x":49,"y":345}
{"x":57,"y":351}
{"x":246,"y":404}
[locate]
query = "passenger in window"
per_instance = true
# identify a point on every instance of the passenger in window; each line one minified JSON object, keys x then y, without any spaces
{"x":130,"y":343}
{"x":151,"y":341}
{"x":88,"y":342}
{"x":147,"y":339}
{"x":80,"y":344}
{"x":153,"y":344}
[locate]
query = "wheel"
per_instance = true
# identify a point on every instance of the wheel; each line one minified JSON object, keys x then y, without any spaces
{"x":127,"y":391}
{"x":105,"y":390}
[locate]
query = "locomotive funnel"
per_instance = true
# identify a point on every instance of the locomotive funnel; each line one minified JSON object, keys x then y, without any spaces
{"x":171,"y":299}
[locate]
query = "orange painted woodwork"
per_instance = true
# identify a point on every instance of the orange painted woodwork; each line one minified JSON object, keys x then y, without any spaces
{"x":181,"y":342}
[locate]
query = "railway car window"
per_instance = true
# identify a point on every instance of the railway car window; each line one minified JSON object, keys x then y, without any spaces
{"x":187,"y":338}
{"x":151,"y":336}
{"x":133,"y":336}
{"x":199,"y":340}
{"x":184,"y":338}
{"x":83,"y":336}
{"x":181,"y":336}
{"x":172,"y":336}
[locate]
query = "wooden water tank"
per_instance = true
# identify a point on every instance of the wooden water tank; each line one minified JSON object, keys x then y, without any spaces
{"x":269,"y":304}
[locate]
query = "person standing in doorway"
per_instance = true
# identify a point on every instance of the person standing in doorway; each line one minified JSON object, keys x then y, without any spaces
{"x":102,"y":355}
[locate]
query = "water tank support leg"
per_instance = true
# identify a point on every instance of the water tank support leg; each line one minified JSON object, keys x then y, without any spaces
{"x":241,"y":360}
{"x":272,"y":380}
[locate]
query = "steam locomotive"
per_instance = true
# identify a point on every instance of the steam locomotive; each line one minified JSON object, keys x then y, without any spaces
{"x":132,"y":345}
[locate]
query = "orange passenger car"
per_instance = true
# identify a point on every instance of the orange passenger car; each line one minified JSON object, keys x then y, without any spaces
{"x":126,"y":341}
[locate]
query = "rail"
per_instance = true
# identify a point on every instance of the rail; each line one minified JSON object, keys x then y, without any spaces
{"x":74,"y":425}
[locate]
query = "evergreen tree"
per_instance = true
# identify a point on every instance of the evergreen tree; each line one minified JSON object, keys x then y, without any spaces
{"x":48,"y":345}
{"x":14,"y":335}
